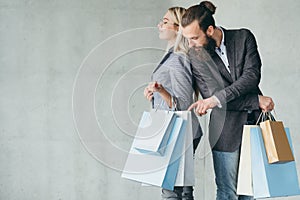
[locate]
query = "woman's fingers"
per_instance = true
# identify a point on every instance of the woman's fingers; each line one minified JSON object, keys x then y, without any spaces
{"x":152,"y":87}
{"x":150,"y":96}
{"x":146,"y":92}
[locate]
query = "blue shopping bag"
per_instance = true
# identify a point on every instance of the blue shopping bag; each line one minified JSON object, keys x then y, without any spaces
{"x":271,"y":180}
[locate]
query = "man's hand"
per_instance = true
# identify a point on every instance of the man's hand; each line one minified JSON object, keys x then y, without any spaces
{"x":266,"y":103}
{"x":201,"y":106}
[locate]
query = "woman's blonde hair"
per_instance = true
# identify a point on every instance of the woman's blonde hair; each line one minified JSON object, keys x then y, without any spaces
{"x":181,"y":44}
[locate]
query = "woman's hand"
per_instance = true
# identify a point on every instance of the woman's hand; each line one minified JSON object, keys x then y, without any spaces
{"x":148,"y":93}
{"x":151,"y":88}
{"x":156,"y":87}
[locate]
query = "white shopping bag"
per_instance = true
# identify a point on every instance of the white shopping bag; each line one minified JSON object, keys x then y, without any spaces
{"x":244,"y":184}
{"x":153,"y":169}
{"x":154,"y":131}
{"x":186,"y":175}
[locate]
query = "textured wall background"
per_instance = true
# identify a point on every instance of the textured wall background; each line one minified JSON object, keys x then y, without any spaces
{"x":50,"y":145}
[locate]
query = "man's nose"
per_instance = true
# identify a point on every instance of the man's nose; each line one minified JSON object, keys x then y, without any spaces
{"x":191,"y":43}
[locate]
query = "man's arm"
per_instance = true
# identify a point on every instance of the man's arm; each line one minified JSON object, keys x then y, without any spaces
{"x":209,"y":81}
{"x":238,"y":96}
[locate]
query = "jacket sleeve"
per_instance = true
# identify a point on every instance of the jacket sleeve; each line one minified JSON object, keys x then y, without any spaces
{"x":181,"y":81}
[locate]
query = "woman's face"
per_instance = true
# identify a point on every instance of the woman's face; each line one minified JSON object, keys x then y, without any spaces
{"x":167,"y":28}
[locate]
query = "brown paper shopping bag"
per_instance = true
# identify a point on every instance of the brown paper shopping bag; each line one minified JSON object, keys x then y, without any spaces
{"x":275,"y":140}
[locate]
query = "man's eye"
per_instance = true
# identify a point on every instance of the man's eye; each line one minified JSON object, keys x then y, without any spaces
{"x":165,"y":22}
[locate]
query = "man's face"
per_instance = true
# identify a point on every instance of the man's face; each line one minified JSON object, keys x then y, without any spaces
{"x":195,"y":36}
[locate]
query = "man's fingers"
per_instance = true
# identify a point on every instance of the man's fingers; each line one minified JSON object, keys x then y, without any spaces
{"x":266,"y":103}
{"x":192,"y":106}
{"x":272,"y":105}
{"x":199,"y":108}
{"x":204,"y":109}
{"x":203,"y":114}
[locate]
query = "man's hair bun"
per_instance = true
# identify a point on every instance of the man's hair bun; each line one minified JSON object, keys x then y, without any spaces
{"x":209,"y":6}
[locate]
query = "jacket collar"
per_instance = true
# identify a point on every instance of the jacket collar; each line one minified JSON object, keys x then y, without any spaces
{"x":166,"y":56}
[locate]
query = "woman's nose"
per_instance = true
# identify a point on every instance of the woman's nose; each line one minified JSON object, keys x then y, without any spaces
{"x":159,"y":24}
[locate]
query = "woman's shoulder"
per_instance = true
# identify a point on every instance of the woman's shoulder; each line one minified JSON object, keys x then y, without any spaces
{"x":179,"y":63}
{"x":179,"y":59}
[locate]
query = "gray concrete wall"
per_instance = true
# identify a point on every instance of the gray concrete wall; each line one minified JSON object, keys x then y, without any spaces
{"x":71,"y":87}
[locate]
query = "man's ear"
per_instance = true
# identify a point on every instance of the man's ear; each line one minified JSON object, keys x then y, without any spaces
{"x":210,"y":30}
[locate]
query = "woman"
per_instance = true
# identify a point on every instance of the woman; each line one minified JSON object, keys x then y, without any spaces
{"x":172,"y":83}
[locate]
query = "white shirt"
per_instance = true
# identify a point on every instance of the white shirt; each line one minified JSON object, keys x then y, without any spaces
{"x":221,"y":51}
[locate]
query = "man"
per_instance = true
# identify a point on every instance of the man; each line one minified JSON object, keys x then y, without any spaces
{"x":226,"y":67}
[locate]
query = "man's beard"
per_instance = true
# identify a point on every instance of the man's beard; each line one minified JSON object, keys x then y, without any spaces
{"x":210,"y":46}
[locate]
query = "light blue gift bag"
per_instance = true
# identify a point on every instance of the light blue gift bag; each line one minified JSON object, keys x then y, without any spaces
{"x":271,"y":180}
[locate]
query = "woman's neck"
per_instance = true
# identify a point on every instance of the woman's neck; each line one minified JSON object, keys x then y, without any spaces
{"x":171,"y":43}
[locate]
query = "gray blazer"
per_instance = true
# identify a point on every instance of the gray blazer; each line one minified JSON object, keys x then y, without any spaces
{"x":237,"y":91}
{"x":174,"y":73}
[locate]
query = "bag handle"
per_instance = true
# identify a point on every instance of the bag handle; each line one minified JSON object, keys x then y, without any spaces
{"x":266,"y":116}
{"x":159,"y":105}
{"x":260,"y":116}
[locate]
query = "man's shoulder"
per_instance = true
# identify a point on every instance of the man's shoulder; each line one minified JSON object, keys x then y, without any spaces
{"x":238,"y":32}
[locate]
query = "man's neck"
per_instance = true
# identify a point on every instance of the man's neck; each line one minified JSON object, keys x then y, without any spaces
{"x":217,"y":36}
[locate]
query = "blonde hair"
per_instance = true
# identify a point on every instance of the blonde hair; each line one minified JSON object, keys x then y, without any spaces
{"x":181,"y":43}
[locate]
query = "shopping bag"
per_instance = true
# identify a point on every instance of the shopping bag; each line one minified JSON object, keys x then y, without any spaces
{"x":185,"y":175}
{"x":244,"y":183}
{"x":276,"y":142}
{"x":154,"y":131}
{"x":153,"y":169}
{"x":271,"y":180}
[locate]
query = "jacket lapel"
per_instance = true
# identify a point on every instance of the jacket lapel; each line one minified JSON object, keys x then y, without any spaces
{"x":230,"y":47}
{"x":163,"y":60}
{"x":221,"y":67}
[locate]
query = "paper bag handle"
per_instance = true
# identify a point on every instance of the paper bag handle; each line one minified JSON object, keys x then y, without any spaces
{"x":266,"y":116}
{"x":159,"y":105}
